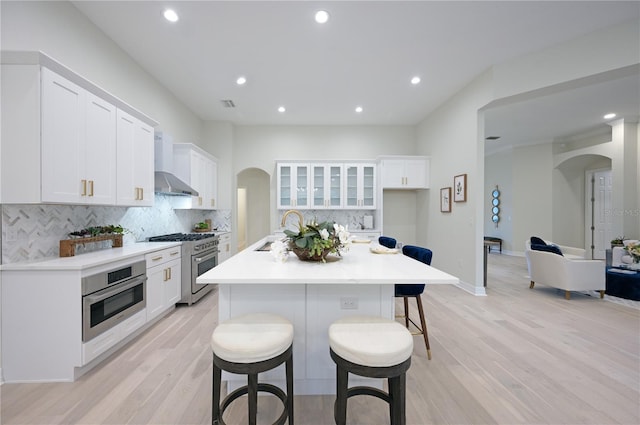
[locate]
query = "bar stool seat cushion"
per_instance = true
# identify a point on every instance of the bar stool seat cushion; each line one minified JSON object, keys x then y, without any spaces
{"x":370,"y":341}
{"x":252,"y":338}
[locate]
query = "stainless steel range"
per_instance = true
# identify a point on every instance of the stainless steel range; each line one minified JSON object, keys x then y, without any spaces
{"x":199,"y":254}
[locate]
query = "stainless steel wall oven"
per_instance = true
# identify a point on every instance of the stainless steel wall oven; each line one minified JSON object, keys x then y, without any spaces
{"x":111,"y":297}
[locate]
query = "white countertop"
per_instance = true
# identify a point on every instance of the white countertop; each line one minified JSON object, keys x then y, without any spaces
{"x":91,"y":259}
{"x":358,"y":266}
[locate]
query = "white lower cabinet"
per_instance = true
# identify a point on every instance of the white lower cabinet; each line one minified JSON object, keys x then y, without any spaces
{"x":224,"y":246}
{"x":163,"y":281}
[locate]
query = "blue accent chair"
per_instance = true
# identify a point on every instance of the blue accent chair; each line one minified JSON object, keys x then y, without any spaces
{"x":415,"y":291}
{"x":387,"y":241}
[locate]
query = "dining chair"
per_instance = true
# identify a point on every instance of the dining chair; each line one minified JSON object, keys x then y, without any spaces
{"x":407,"y":291}
{"x":387,"y":242}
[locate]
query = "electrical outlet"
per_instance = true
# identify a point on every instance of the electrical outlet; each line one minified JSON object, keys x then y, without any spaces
{"x":348,"y":303}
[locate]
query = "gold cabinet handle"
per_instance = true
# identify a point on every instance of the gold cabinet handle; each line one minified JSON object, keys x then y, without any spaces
{"x":157,"y":258}
{"x":84,"y":187}
{"x":174,"y":253}
{"x":90,"y":187}
{"x":142,"y":193}
{"x":169,"y":273}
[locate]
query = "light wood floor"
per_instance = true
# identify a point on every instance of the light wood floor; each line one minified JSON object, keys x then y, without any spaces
{"x":517,"y":356}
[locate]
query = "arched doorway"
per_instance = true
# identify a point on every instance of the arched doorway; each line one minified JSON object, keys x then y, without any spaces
{"x":253,"y":206}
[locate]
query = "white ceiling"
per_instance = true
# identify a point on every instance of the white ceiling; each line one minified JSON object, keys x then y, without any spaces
{"x":365,"y":55}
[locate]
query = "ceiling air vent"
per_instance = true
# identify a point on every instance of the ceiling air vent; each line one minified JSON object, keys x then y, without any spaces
{"x":228,"y":103}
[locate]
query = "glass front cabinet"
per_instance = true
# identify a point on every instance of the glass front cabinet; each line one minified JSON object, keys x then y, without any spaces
{"x":360,"y":186}
{"x":326,"y":186}
{"x":293,"y":185}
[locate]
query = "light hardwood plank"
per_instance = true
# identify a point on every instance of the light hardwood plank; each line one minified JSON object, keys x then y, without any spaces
{"x":517,"y":356}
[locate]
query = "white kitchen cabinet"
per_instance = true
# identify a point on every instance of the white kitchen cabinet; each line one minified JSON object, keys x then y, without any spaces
{"x":59,"y":145}
{"x":326,"y":186}
{"x":359,"y":186}
{"x":224,"y":246}
{"x":163,"y":281}
{"x":405,"y":172}
{"x":78,"y":144}
{"x":361,"y":235}
{"x":293,"y":185}
{"x":135,"y":164}
{"x":199,"y":170}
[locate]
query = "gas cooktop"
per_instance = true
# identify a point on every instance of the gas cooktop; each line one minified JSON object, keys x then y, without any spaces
{"x":181,"y":237}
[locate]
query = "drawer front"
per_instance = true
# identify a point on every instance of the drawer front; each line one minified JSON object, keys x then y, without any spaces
{"x":160,"y":257}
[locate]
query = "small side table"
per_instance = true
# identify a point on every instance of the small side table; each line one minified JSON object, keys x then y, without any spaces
{"x":492,"y":239}
{"x":487,"y":247}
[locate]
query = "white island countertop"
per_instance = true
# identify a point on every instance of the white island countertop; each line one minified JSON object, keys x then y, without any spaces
{"x":356,"y":266}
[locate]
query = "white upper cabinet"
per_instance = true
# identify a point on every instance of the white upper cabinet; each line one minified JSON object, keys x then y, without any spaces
{"x":134,"y":161}
{"x":293,"y":185}
{"x":199,"y":170}
{"x":360,"y":186}
{"x":405,"y":172}
{"x":326,"y":186}
{"x":60,"y":138}
{"x":78,"y":144}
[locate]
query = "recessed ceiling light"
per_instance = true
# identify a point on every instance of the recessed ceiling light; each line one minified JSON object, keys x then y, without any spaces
{"x":282,"y":109}
{"x":609,"y":116}
{"x":415,"y":80}
{"x":241,"y":80}
{"x":322,"y":16}
{"x":171,"y":15}
{"x":358,"y":109}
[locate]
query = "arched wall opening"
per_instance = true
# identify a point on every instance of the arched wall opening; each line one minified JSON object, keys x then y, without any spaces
{"x":253,"y":206}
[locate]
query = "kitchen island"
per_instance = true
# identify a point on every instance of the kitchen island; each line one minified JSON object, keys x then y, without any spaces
{"x":313,"y":295}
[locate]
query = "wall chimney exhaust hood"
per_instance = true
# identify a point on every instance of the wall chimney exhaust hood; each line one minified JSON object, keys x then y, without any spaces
{"x":165,"y":181}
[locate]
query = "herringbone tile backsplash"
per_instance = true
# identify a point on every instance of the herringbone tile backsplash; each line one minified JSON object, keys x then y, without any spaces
{"x":32,"y":232}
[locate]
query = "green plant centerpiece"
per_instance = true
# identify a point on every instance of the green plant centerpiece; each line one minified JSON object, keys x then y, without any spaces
{"x":633,"y":249}
{"x":314,"y":241}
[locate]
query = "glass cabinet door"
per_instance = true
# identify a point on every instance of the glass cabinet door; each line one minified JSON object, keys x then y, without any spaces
{"x":351,"y":186}
{"x":368,"y":186}
{"x":318,"y":186}
{"x":284,"y":186}
{"x":335,"y":186}
{"x":360,"y":186}
{"x":302,"y":186}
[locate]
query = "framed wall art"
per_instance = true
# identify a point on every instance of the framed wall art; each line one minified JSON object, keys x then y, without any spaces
{"x":445,"y":199}
{"x":460,"y":188}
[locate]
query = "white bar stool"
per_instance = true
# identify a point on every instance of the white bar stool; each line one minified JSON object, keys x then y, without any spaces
{"x":251,"y":344}
{"x":373,"y":347}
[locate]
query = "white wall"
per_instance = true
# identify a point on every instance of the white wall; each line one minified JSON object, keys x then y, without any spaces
{"x":452,"y":137}
{"x":499,"y":172}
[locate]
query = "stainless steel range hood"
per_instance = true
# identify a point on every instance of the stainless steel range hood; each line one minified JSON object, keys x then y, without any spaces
{"x":166,"y":182}
{"x":169,"y":184}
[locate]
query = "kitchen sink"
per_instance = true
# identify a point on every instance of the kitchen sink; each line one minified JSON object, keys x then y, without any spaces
{"x":265,"y":247}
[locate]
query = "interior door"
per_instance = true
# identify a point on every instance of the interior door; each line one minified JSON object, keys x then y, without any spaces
{"x":602,"y":219}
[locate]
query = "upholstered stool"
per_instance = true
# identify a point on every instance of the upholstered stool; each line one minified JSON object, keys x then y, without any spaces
{"x":373,"y":347}
{"x":248,"y":345}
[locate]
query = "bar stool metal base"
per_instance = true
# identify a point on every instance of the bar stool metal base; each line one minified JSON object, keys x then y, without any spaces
{"x":253,"y":387}
{"x":396,"y":397}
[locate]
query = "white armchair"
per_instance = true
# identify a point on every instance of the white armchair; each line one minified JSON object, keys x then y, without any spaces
{"x":564,"y":273}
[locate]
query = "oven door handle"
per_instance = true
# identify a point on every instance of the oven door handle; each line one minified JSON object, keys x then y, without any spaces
{"x":109,"y":292}
{"x":206,"y":257}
